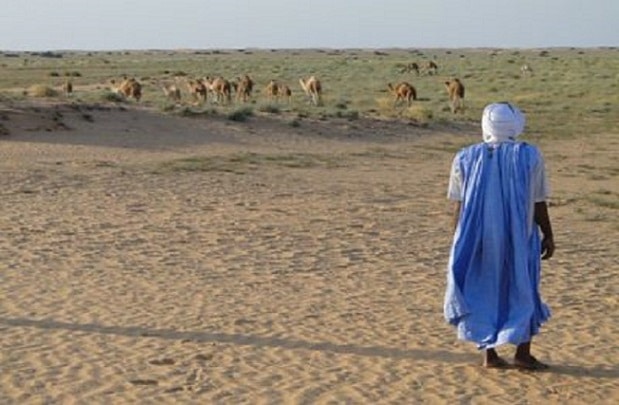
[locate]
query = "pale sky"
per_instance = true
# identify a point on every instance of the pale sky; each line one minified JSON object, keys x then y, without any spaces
{"x":38,"y":25}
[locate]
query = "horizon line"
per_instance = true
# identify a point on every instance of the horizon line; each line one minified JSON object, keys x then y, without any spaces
{"x":309,"y":48}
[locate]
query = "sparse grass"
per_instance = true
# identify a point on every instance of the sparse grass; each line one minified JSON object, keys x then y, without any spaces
{"x":241,"y":114}
{"x":350,"y":115}
{"x":608,"y":202}
{"x":193,"y":113}
{"x":113,"y":97}
{"x":418,"y":113}
{"x":242,"y":163}
{"x":595,"y":217}
{"x":269,"y":108}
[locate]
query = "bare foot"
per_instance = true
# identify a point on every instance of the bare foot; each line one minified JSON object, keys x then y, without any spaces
{"x":495,"y":362}
{"x":492,"y":360}
{"x":530,"y":363}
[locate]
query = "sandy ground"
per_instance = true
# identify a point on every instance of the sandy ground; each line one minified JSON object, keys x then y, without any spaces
{"x":289,"y":265}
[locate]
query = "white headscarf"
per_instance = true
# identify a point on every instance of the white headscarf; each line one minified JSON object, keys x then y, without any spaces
{"x":501,"y":122}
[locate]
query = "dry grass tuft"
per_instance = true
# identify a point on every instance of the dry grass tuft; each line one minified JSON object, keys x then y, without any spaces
{"x":418,"y":113}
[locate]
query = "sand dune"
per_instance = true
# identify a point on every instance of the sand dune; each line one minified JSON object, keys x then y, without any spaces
{"x":158,"y":259}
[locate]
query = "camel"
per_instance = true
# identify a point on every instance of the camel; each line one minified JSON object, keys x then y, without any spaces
{"x":245,"y":86}
{"x":276,"y":90}
{"x":198,"y":90}
{"x":220,"y":87}
{"x":526,"y":70}
{"x":128,"y":88}
{"x":411,"y":67}
{"x":272,"y":90}
{"x":313,"y":89}
{"x":431,"y":67}
{"x":67,"y":87}
{"x":285,"y":91}
{"x":455,"y":89}
{"x":172,"y":92}
{"x":403,"y":91}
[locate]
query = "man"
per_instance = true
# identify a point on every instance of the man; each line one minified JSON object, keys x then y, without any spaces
{"x":499,"y":188}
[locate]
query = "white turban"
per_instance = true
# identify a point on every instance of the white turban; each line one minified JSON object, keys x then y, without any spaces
{"x":501,"y":122}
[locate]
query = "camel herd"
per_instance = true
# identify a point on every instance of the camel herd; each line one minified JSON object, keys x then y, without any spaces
{"x":429,"y":67}
{"x":220,"y":91}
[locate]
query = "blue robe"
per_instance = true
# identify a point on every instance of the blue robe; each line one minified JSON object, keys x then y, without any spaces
{"x":493,"y":275}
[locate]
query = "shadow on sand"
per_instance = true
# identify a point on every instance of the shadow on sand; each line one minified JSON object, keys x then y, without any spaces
{"x":292,"y":344}
{"x":244,"y":340}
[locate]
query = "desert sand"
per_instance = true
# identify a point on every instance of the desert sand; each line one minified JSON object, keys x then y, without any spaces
{"x":149,"y":258}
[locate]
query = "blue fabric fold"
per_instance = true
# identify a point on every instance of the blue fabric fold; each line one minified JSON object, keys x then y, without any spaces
{"x":492,"y":295}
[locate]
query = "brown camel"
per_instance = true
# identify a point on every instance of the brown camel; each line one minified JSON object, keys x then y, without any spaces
{"x":128,"y":88}
{"x":172,"y":92}
{"x":198,"y":90}
{"x":431,"y":67}
{"x":455,"y":90}
{"x":272,"y":90}
{"x":284,"y":91}
{"x":313,"y":89}
{"x":221,"y":88}
{"x":276,"y":90}
{"x":403,"y":92}
{"x":67,"y":87}
{"x":411,"y":67}
{"x":245,"y":86}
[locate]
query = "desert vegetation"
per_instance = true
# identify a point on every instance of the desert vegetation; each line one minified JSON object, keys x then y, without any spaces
{"x":573,"y":90}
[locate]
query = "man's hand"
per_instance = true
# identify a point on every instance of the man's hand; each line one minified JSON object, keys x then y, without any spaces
{"x":548,"y":248}
{"x":543,"y":220}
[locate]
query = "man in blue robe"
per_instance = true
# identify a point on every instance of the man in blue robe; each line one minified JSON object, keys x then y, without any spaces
{"x":500,"y":189}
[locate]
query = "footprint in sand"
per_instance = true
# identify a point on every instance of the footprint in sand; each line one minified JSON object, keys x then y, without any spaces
{"x":162,"y":362}
{"x":144,"y":382}
{"x":204,"y":357}
{"x":174,"y":389}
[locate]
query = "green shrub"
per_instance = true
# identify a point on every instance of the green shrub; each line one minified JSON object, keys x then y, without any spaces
{"x":269,"y":108}
{"x":241,"y":114}
{"x":112,"y":97}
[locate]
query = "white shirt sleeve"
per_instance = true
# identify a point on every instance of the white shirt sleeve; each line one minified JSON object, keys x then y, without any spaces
{"x":454,"y":191}
{"x":541,"y":189}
